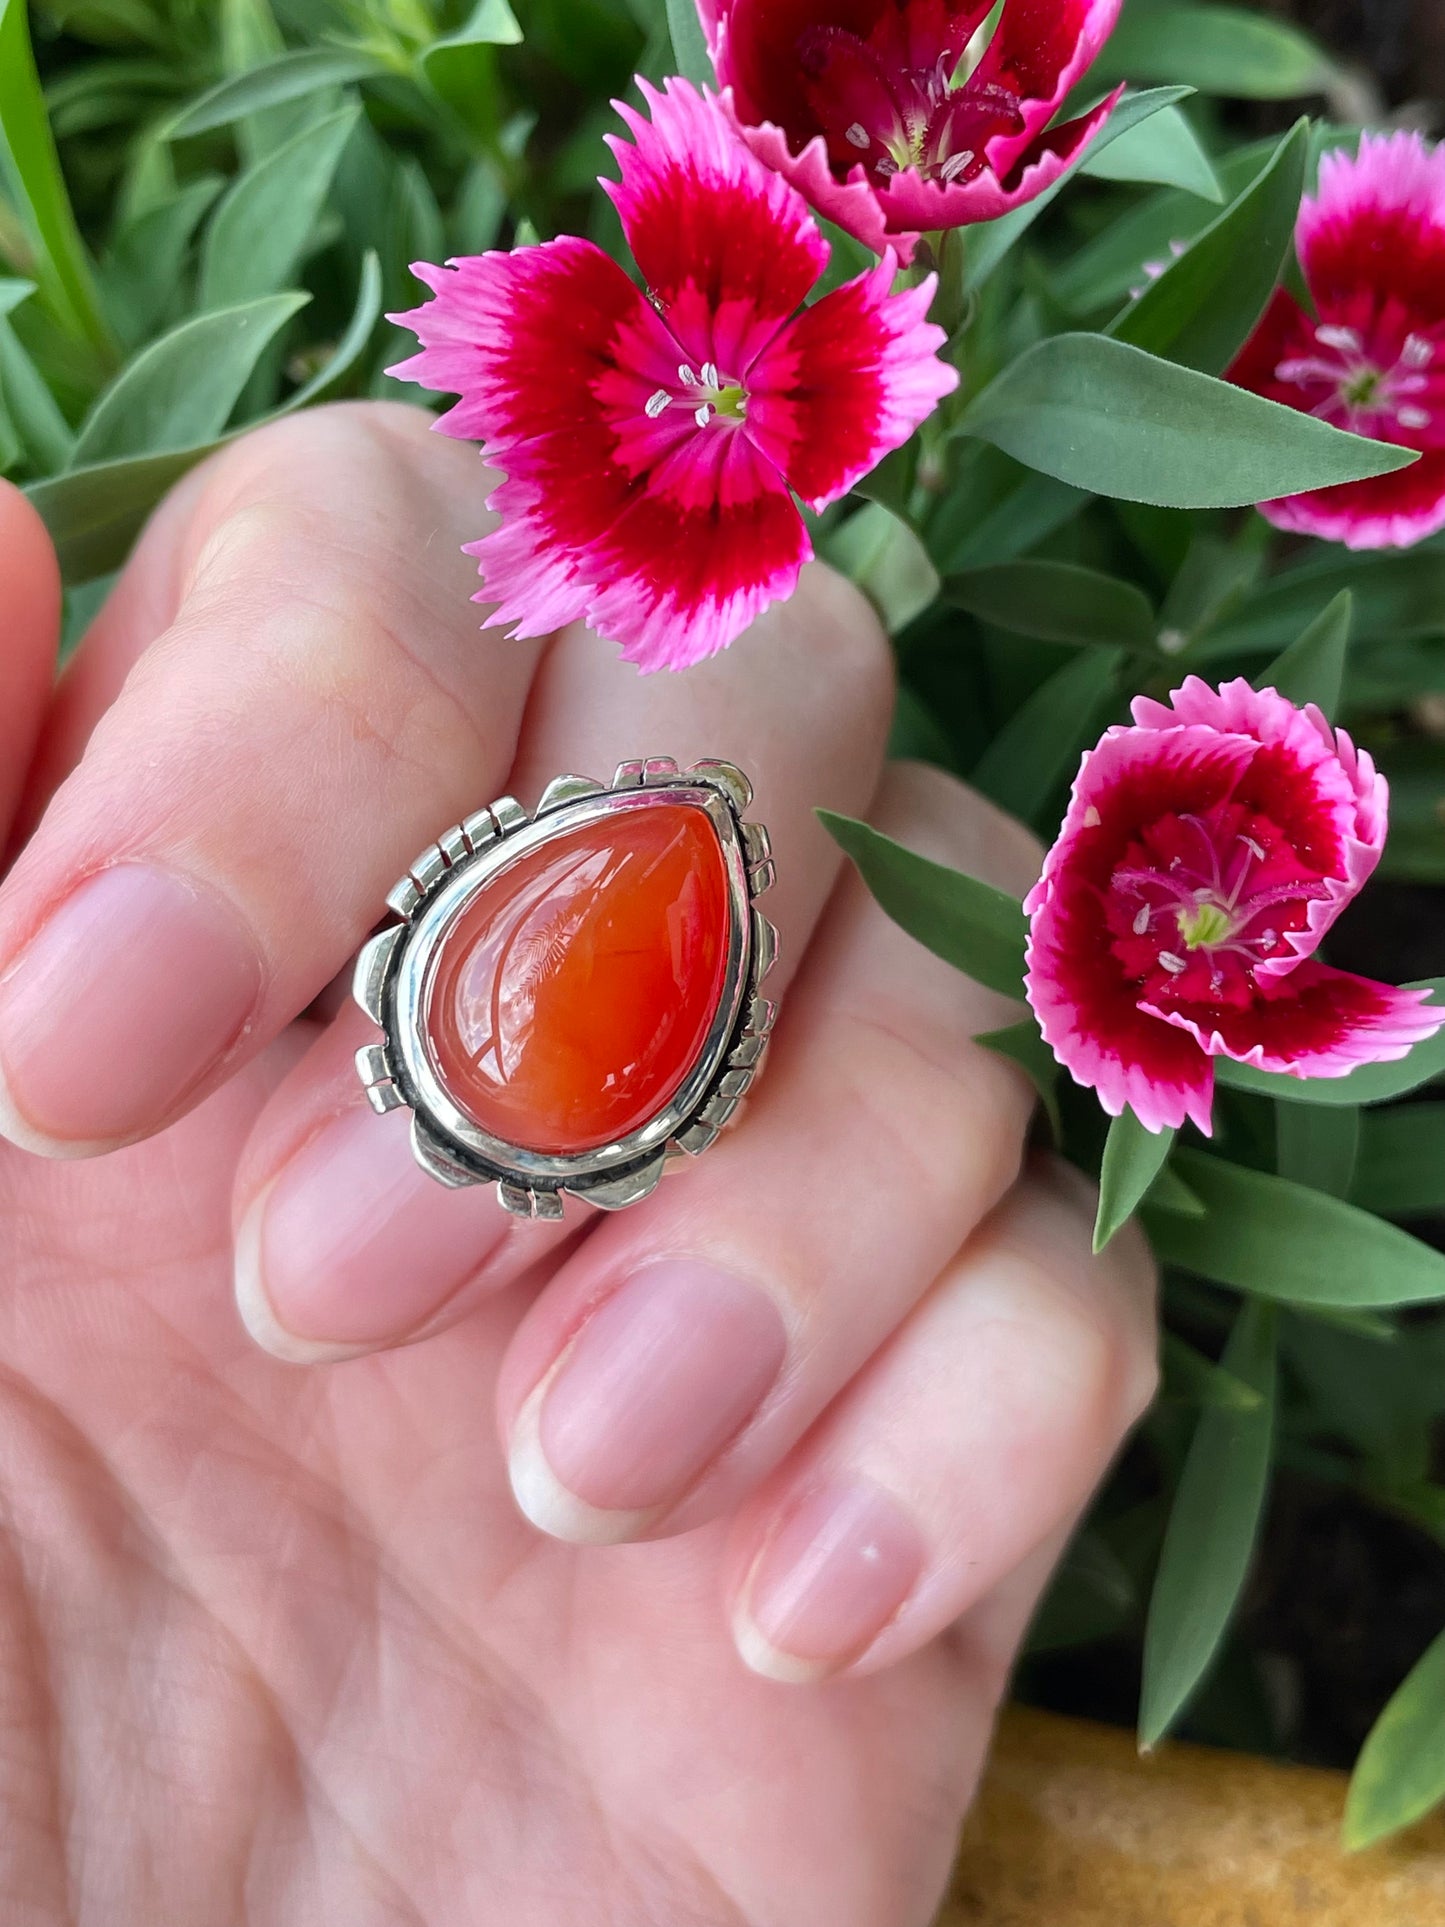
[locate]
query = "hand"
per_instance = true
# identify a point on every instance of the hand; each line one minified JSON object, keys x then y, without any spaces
{"x":277,"y":1645}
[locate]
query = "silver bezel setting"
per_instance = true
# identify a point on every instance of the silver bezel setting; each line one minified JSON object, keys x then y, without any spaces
{"x":393,"y":972}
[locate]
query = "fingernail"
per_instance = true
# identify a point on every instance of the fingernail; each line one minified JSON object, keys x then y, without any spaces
{"x":118,"y":1007}
{"x":835,"y":1573}
{"x":661,"y":1377}
{"x":353,"y":1246}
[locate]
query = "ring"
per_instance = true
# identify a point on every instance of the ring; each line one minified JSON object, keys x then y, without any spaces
{"x":570,"y":1000}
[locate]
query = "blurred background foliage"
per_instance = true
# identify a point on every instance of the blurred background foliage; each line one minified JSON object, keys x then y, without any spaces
{"x":206,"y":207}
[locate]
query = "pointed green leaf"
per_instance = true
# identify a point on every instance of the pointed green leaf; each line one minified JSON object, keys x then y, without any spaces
{"x":879,"y":551}
{"x":1024,"y":1045}
{"x":1400,"y":1774}
{"x":1203,"y":308}
{"x":1104,"y":415}
{"x":1219,"y":50}
{"x":181,"y":389}
{"x":95,"y":513}
{"x":1212,"y":1530}
{"x":1169,"y":1192}
{"x":45,"y":434}
{"x":31,"y":168}
{"x":1133,"y":1158}
{"x":1041,"y":743}
{"x":1370,"y":1084}
{"x":1163,"y":151}
{"x":1189,"y":1374}
{"x":1312,"y":670}
{"x":1276,"y":1239}
{"x":972,"y":925}
{"x":289,"y":77}
{"x":140,"y":275}
{"x":1401,"y":1168}
{"x":258,"y":233}
{"x":1057,"y":602}
{"x":689,"y":42}
{"x":1398,"y":595}
{"x":990,"y":241}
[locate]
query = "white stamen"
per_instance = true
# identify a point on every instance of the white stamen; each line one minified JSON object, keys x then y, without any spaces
{"x":1176,"y":966}
{"x":1141,"y":920}
{"x":858,"y":136}
{"x":887,"y":167}
{"x":1092,"y":818}
{"x":1256,"y":850}
{"x":709,"y":374}
{"x":656,"y":403}
{"x":1267,"y":938}
{"x":1418,"y":352}
{"x":1345,"y":341}
{"x":686,"y":376}
{"x":955,"y":164}
{"x":703,"y":415}
{"x":1412,"y":417}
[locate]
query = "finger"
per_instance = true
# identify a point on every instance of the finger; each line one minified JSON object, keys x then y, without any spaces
{"x":320,"y":705}
{"x":29,"y":631}
{"x":966,"y":1447}
{"x":343,"y":1242}
{"x":679,"y":1356}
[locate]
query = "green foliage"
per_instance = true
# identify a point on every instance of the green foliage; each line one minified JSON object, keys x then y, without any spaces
{"x":1212,"y":1529}
{"x":204,"y":211}
{"x":1133,"y":1159}
{"x":970,"y":924}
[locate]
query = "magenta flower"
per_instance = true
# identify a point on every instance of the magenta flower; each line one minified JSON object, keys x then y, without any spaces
{"x":1372,"y":358}
{"x":650,"y":445}
{"x":878,"y":112}
{"x":1206,"y":851}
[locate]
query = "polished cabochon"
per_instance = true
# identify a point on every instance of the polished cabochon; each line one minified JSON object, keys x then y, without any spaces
{"x":569,"y":1002}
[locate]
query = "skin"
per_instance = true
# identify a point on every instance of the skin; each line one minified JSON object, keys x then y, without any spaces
{"x":276,"y":1644}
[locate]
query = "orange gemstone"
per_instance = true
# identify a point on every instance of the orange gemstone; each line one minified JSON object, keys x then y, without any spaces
{"x":570,"y":1000}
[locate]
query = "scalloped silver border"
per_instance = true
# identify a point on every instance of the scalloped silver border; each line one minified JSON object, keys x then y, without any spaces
{"x":392,"y":971}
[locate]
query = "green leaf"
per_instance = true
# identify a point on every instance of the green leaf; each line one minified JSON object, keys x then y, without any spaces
{"x":140,"y":276}
{"x":289,"y":77}
{"x":1370,"y":1084}
{"x":963,"y":534}
{"x":878,"y":551}
{"x":689,"y":42}
{"x":1106,"y":416}
{"x":1399,"y":596}
{"x":95,"y":513}
{"x":1219,"y":50}
{"x":491,"y":24}
{"x":1163,"y":151}
{"x":1041,"y":743}
{"x":1023,"y":1044}
{"x":1189,"y":1374}
{"x":1400,"y":1774}
{"x":1212,"y":1529}
{"x":31,"y":167}
{"x":1317,"y":1147}
{"x":972,"y":925}
{"x":1091,"y":1596}
{"x":1312,"y":669}
{"x":12,"y":292}
{"x":1057,"y":602}
{"x":1169,"y":1192}
{"x":1279,"y":1240}
{"x":34,"y":415}
{"x":181,"y":389}
{"x":1203,"y":308}
{"x":258,"y":234}
{"x":1401,"y":1167}
{"x":1133,"y":1158}
{"x":990,"y":241}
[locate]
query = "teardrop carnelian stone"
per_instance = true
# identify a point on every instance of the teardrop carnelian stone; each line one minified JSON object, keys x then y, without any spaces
{"x":571,"y":998}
